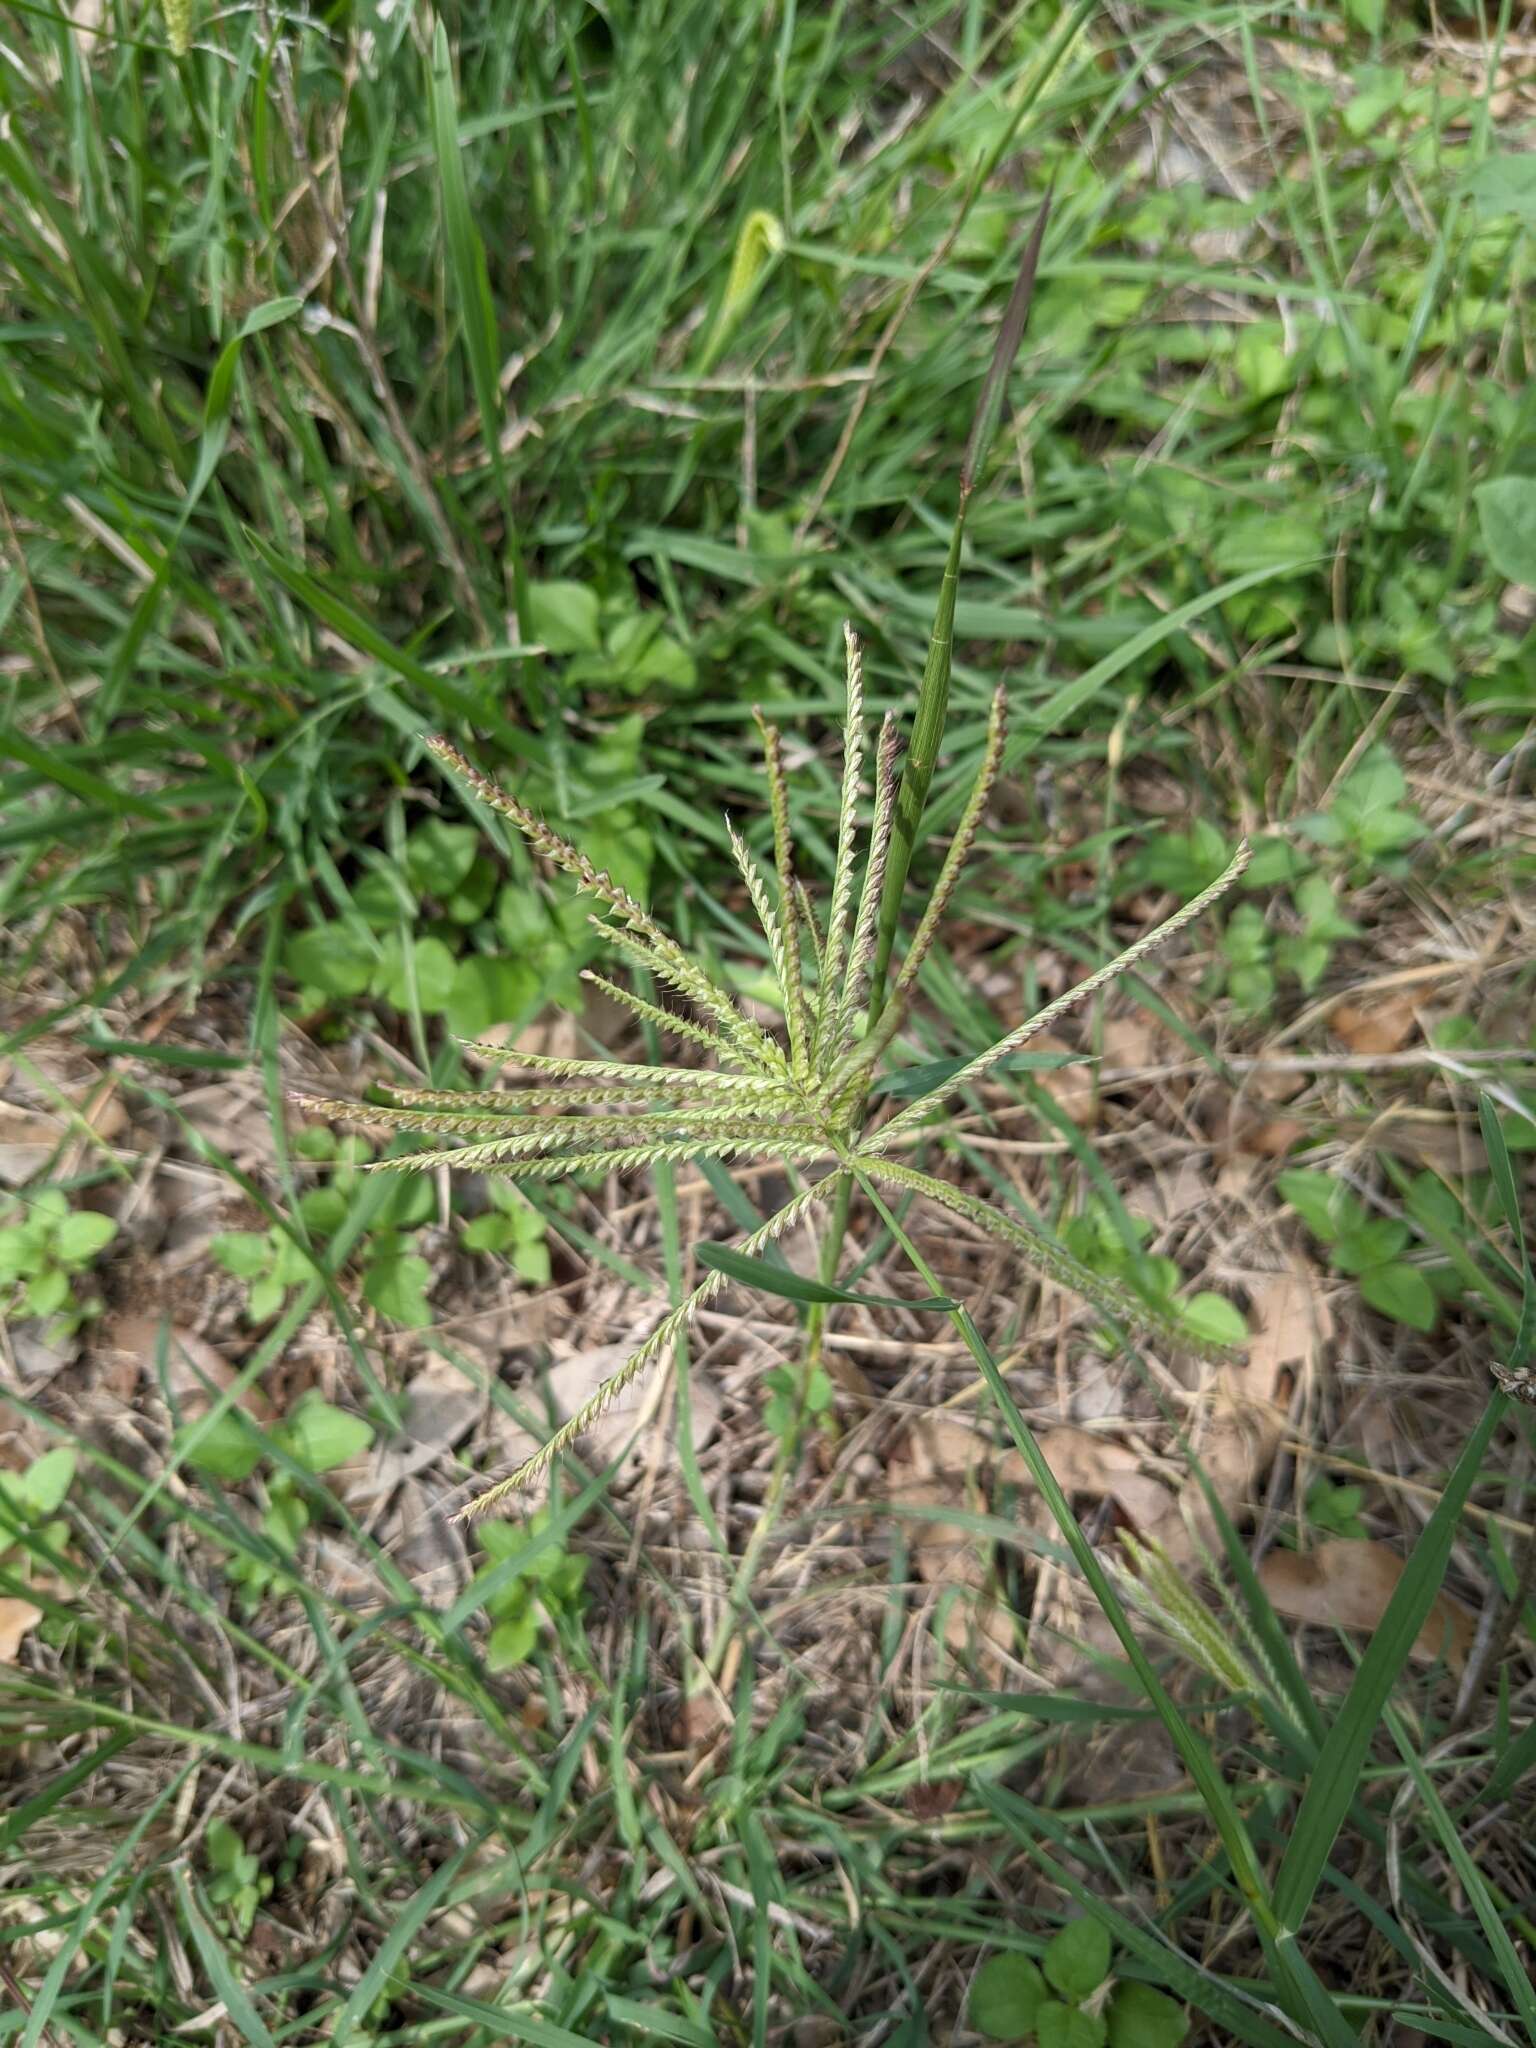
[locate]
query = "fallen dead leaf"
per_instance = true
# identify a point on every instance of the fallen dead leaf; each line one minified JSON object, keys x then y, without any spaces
{"x":440,"y":1405}
{"x":1446,"y":1144}
{"x":1237,"y":1441}
{"x":29,"y":1138}
{"x":1347,"y":1584}
{"x":16,"y":1617}
{"x":932,"y":1798}
{"x":1103,"y":1469}
{"x":1132,"y":1041}
{"x":424,"y":1543}
{"x":38,"y":1361}
{"x":1292,"y":1322}
{"x":940,"y":1466}
{"x":702,"y":1717}
{"x":1271,"y":1139}
{"x":1072,"y":1089}
{"x":195,"y":1372}
{"x":574,"y":1380}
{"x":1374,"y":1027}
{"x":942,"y":1447}
{"x":1236,"y":1431}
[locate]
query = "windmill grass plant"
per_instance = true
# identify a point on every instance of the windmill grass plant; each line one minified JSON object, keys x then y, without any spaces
{"x":806,"y":1096}
{"x":799,"y":1098}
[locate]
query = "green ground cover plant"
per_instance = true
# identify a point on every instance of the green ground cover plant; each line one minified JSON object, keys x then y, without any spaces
{"x":561,"y":382}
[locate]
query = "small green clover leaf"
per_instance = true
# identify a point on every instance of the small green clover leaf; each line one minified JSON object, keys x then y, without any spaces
{"x":1077,"y":1959}
{"x":1007,"y":1994}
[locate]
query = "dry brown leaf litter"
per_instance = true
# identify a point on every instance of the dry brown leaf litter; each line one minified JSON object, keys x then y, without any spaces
{"x":1347,"y":1583}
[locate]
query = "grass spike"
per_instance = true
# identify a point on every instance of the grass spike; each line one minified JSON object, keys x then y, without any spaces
{"x":1051,"y":1261}
{"x":750,"y":1044}
{"x":959,"y":853}
{"x":665,"y":1333}
{"x":797,"y":1016}
{"x":671,"y":1025}
{"x":640,"y":930}
{"x":840,"y":912}
{"x":861,"y":953}
{"x":1006,"y":1046}
{"x":762,"y":905}
{"x":652,"y":1149}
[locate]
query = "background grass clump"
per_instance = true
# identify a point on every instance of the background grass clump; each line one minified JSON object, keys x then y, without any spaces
{"x":563,"y":380}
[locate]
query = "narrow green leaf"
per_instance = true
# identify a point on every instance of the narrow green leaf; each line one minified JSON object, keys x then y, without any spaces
{"x":1474,"y":1885}
{"x":1192,"y":1749}
{"x":770,"y":1279}
{"x":243,"y":2015}
{"x":989,"y":407}
{"x":360,"y":633}
{"x":1073,"y":696}
{"x":1524,"y":1345}
{"x":1063,"y":1708}
{"x":466,"y":253}
{"x":933,"y":694}
{"x":1333,"y":1782}
{"x":347,"y":2028}
{"x":55,"y":765}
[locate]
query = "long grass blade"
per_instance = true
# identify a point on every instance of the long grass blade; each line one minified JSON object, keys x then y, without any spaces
{"x":933,"y":692}
{"x":1333,"y":1782}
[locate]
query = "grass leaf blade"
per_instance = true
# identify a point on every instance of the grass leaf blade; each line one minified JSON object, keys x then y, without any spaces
{"x":1333,"y":1783}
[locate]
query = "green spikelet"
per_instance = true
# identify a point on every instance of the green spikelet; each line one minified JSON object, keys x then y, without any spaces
{"x":760,"y":243}
{"x":178,"y":25}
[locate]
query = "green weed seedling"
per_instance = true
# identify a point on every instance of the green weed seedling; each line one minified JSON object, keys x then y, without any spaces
{"x":1365,"y":831}
{"x":395,"y":1278}
{"x":514,"y":1227}
{"x":268,"y":1261}
{"x":1333,"y":1510}
{"x":45,"y":1249}
{"x":316,"y":1436}
{"x":237,"y":1883}
{"x":793,"y":1400}
{"x":30,"y":1523}
{"x":613,"y":645}
{"x":1093,"y":1238}
{"x":547,"y":1595}
{"x":1368,"y":824}
{"x":1369,"y":1248}
{"x":1070,"y":1999}
{"x":439,"y":930}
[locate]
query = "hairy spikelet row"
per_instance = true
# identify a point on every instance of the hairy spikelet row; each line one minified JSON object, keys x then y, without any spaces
{"x":1043,"y":1255}
{"x":178,"y":25}
{"x":801,"y":1101}
{"x":638,"y":931}
{"x":797,"y":1014}
{"x":684,"y":1029}
{"x":925,"y":1105}
{"x":589,"y":1137}
{"x":840,"y":911}
{"x":666,"y":1333}
{"x":434,"y":1110}
{"x":861,"y":953}
{"x":632,"y":1158}
{"x":1162,"y":1592}
{"x":780,"y":941}
{"x":745,"y":1042}
{"x":864,"y":1058}
{"x":557,"y":1067}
